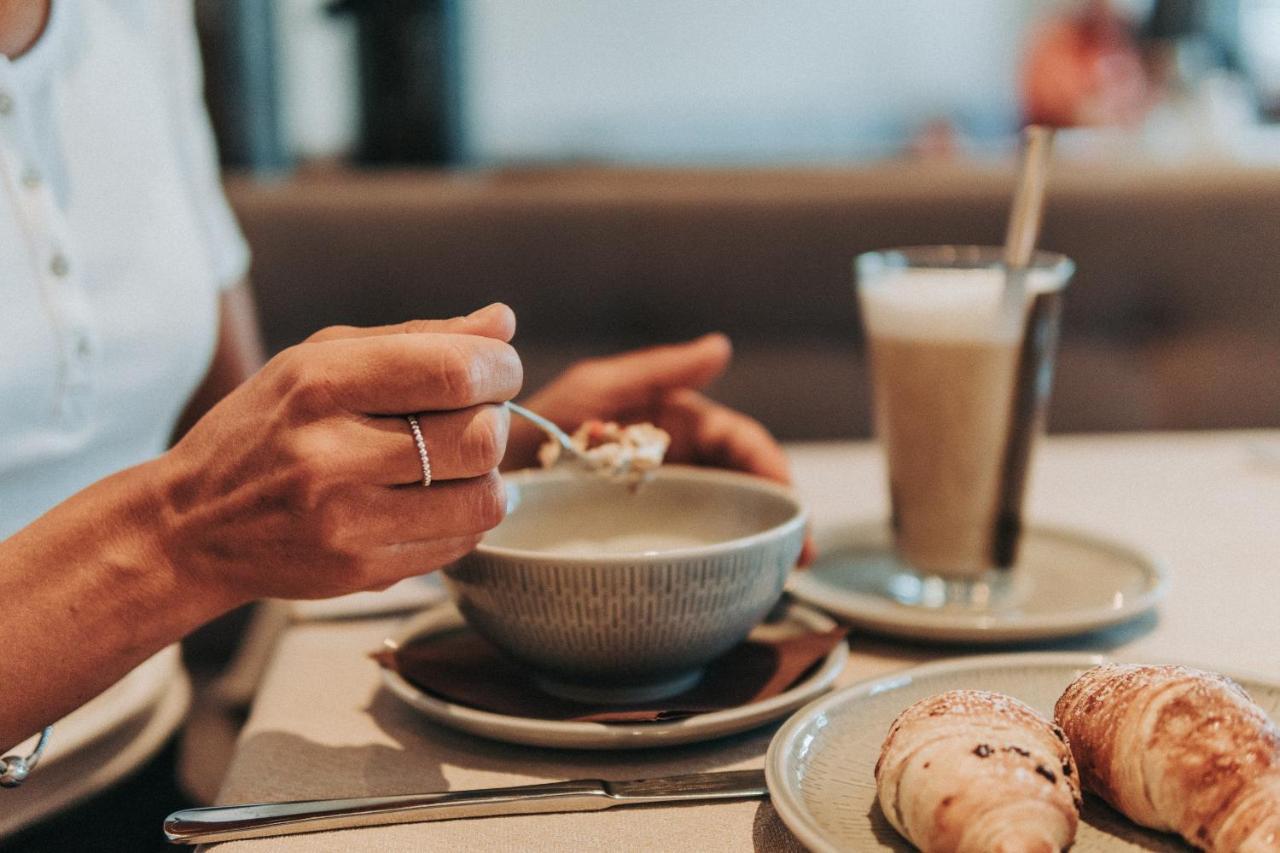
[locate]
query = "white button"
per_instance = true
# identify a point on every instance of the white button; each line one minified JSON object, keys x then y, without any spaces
{"x":31,"y":177}
{"x":6,"y":103}
{"x":59,"y":265}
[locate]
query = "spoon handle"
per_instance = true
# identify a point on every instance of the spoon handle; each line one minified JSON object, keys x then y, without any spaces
{"x":1028,"y":199}
{"x":545,"y":425}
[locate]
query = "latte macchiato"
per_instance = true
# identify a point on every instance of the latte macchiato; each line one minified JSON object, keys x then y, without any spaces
{"x":961,"y":372}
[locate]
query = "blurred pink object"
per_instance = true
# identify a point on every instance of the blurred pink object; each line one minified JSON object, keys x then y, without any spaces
{"x":937,"y":139}
{"x":1085,"y":68}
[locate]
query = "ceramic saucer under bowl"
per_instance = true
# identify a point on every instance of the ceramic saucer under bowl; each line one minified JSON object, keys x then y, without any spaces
{"x":1065,"y":583}
{"x":592,"y":735}
{"x":821,"y":764}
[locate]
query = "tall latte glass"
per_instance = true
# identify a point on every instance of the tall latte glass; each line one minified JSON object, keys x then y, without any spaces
{"x":961,"y":363}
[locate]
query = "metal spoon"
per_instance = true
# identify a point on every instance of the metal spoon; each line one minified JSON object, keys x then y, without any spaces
{"x":622,"y":470}
{"x":1028,"y":198}
{"x":558,"y":435}
{"x":1026,"y":213}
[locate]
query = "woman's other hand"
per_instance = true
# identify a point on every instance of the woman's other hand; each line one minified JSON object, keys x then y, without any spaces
{"x":306,"y":481}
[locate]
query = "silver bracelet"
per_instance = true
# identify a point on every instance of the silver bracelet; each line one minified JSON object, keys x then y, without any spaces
{"x":14,"y":769}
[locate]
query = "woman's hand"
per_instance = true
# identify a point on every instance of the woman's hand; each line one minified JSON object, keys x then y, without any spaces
{"x":306,"y":482}
{"x":659,"y":385}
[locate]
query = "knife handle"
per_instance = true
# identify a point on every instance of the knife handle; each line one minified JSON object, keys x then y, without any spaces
{"x":260,"y":820}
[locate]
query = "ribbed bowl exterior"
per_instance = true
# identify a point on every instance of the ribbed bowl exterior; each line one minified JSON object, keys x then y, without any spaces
{"x":633,"y":616}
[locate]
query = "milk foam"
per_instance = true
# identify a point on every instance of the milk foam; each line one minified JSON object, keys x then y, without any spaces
{"x":946,"y":304}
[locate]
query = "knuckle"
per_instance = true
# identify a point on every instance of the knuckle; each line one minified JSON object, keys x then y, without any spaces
{"x":458,"y":374}
{"x":281,"y":367}
{"x":365,"y":572}
{"x":489,"y":502}
{"x":512,"y":367}
{"x":302,"y":380}
{"x":330,"y":333}
{"x":310,"y":455}
{"x":310,"y":450}
{"x":432,"y":562}
{"x":303,"y":493}
{"x":452,"y":550}
{"x":464,"y":545}
{"x":475,"y":371}
{"x":458,"y":548}
{"x":332,"y":530}
{"x":485,"y":439}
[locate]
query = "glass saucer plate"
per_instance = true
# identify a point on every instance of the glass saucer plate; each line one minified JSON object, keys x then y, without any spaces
{"x":1065,"y":583}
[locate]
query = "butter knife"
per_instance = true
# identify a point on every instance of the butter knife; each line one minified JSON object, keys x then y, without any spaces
{"x":260,"y":820}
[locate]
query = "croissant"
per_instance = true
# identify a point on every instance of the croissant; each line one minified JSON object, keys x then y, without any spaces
{"x":1178,"y":749}
{"x":974,"y":771}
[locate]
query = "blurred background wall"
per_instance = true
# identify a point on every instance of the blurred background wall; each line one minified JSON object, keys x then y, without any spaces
{"x":716,"y":81}
{"x":727,"y":80}
{"x":631,"y":172}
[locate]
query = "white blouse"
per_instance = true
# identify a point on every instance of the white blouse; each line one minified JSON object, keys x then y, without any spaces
{"x":115,"y":240}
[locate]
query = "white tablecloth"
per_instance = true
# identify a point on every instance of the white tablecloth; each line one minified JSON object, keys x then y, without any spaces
{"x":1207,"y":505}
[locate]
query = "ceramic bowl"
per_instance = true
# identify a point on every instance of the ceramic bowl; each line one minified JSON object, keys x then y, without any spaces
{"x":611,"y":594}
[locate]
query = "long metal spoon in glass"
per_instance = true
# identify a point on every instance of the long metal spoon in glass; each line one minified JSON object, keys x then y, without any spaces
{"x":1026,"y":213}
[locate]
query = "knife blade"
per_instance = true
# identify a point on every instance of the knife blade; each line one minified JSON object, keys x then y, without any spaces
{"x":260,"y":820}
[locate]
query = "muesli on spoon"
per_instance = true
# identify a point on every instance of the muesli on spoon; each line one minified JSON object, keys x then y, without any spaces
{"x":628,"y":454}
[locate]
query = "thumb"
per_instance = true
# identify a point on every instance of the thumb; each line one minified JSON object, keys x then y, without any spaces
{"x":641,"y":375}
{"x":492,"y":321}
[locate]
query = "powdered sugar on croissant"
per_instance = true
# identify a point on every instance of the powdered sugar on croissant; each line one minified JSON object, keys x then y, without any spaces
{"x":1178,"y":749}
{"x":976,"y":772}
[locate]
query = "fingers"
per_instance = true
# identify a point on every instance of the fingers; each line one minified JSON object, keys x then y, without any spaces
{"x":461,"y":444}
{"x":495,"y":321}
{"x":636,"y":378}
{"x":395,"y":374}
{"x":711,"y":434}
{"x":387,"y":565}
{"x":708,"y":433}
{"x":405,"y":559}
{"x":452,"y":508}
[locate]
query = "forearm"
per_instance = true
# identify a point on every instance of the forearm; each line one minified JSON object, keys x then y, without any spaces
{"x":89,"y":593}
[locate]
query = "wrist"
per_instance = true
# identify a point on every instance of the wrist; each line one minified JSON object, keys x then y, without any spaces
{"x":101,"y":588}
{"x":190,"y":577}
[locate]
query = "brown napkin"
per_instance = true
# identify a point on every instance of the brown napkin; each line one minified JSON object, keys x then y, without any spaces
{"x":461,"y":667}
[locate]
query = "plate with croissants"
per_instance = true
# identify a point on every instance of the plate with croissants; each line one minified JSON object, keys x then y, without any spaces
{"x":1025,"y":753}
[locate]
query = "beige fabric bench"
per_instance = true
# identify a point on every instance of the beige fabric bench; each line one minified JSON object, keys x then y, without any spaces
{"x":1173,"y":320}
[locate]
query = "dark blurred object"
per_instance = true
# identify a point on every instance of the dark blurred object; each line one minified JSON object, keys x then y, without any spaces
{"x":237,"y":40}
{"x":408,"y":86}
{"x":1180,"y":46}
{"x":1175,"y":19}
{"x":1084,"y":68}
{"x":1188,"y":41}
{"x":1204,"y":104}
